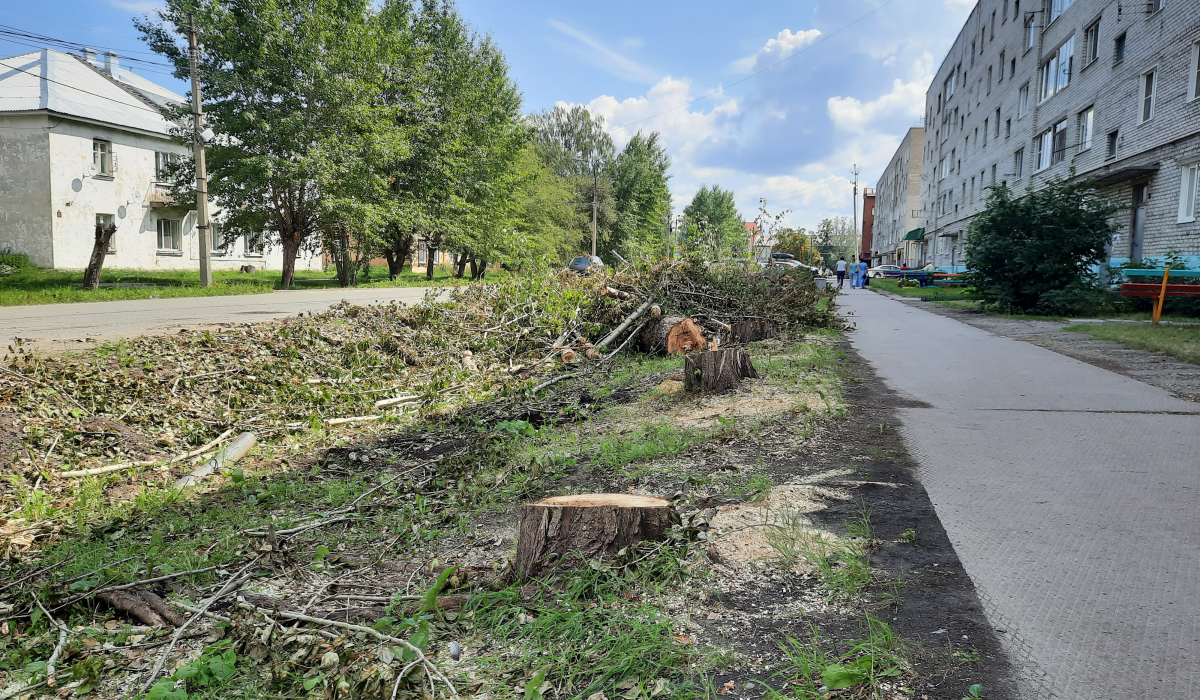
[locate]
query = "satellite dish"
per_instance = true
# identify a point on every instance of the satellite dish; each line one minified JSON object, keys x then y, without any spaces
{"x":121,"y":212}
{"x":91,"y":168}
{"x":76,"y":184}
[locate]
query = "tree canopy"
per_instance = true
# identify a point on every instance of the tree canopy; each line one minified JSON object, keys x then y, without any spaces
{"x":714,"y":223}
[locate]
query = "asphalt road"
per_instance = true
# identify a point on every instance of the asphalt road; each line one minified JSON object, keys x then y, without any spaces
{"x":57,"y":327}
{"x":1069,"y":492}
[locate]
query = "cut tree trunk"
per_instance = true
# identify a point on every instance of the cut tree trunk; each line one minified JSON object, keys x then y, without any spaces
{"x":717,"y":370}
{"x":750,"y":331}
{"x":566,"y":529}
{"x":91,"y":276}
{"x":673,"y":335}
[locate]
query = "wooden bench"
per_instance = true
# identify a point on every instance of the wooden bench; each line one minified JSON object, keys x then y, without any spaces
{"x":1159,"y":291}
{"x":948,"y":279}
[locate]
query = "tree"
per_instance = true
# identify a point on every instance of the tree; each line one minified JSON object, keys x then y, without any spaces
{"x":104,"y":234}
{"x":836,"y":237}
{"x":715,"y":223}
{"x":1038,"y":253}
{"x":641,"y":197}
{"x":798,"y":243}
{"x":548,"y":220}
{"x":574,"y":144}
{"x":283,"y":82}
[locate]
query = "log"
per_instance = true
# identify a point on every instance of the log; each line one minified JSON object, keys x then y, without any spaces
{"x":750,"y":331}
{"x":717,"y":370}
{"x":133,"y":605}
{"x":673,"y":335}
{"x":562,"y":530}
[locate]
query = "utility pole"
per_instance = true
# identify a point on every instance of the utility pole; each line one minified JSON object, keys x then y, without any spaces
{"x":595,"y":187}
{"x":858,"y":241}
{"x":202,"y":225}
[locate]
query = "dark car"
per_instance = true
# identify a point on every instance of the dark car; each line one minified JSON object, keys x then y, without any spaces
{"x":581,"y":263}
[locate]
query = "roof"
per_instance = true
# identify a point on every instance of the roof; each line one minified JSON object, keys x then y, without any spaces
{"x":751,"y":227}
{"x":66,"y":84}
{"x":915,"y":235}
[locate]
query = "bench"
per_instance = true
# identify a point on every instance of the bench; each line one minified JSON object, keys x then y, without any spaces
{"x":948,"y":279}
{"x":1159,"y":291}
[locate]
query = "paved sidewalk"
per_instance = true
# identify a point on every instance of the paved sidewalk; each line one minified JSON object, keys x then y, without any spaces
{"x":1069,"y":492}
{"x":57,"y":327}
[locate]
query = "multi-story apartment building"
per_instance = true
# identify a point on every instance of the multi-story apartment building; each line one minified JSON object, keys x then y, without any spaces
{"x":867,"y":241}
{"x":898,"y":205}
{"x":1035,"y":90}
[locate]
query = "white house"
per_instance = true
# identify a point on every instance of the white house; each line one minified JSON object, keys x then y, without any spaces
{"x":83,"y":142}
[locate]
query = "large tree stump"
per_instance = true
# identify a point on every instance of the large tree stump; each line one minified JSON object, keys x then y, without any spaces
{"x":750,"y":331}
{"x":717,"y":370}
{"x":673,"y":335}
{"x":561,"y":528}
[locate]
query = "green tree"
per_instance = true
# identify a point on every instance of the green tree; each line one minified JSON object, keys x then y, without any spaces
{"x":1038,"y":253}
{"x":641,"y":197}
{"x":714,"y":223}
{"x":574,"y":144}
{"x":283,"y":82}
{"x":798,"y":243}
{"x":836,"y":237}
{"x":547,"y":218}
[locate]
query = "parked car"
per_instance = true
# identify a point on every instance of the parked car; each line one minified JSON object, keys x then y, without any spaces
{"x":882,"y":270}
{"x":784,"y":262}
{"x":783,"y":256}
{"x":581,"y":263}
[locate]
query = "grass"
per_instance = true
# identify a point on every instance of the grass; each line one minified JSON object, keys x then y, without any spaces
{"x":843,"y":565}
{"x":814,"y":667}
{"x":935,"y":294}
{"x":1180,"y":342}
{"x":30,"y":285}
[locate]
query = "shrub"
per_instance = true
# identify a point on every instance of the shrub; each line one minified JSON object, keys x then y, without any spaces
{"x":1038,"y":252}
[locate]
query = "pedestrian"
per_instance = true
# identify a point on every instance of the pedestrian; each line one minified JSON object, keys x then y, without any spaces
{"x":841,"y":271}
{"x":862,"y":268}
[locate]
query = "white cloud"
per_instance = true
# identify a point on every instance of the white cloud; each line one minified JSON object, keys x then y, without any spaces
{"x":906,"y":99}
{"x":603,"y":57}
{"x":783,"y":45}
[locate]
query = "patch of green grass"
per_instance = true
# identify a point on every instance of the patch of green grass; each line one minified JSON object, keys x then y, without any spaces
{"x":1180,"y":342}
{"x":814,"y":668}
{"x":31,"y":285}
{"x":843,"y":565}
{"x":940,"y":294}
{"x":642,"y":442}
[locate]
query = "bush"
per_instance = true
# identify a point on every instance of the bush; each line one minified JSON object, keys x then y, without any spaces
{"x":1040,"y":251}
{"x":11,"y":263}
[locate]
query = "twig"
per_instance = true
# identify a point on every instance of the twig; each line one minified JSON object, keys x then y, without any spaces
{"x":355,"y":419}
{"x":147,"y":463}
{"x":62,"y":640}
{"x":394,"y":478}
{"x":44,"y":570}
{"x":44,"y":385}
{"x":556,"y":380}
{"x":141,"y":582}
{"x":198,"y":611}
{"x":22,"y":691}
{"x":429,"y":665}
{"x":236,"y":580}
{"x":625,"y":324}
{"x":621,"y":347}
{"x":294,"y":530}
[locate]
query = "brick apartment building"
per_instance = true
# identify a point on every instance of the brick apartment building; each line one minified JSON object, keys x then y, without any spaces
{"x":1035,"y":89}
{"x":898,"y":218}
{"x":868,"y":225}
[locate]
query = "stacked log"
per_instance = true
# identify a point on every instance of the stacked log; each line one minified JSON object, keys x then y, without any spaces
{"x":673,"y":335}
{"x":563,"y":529}
{"x":717,"y":370}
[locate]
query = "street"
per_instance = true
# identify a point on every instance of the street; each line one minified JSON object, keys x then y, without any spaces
{"x":59,"y":327}
{"x":1068,"y":491}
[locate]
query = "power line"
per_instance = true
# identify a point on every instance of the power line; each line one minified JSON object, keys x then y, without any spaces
{"x":68,"y":24}
{"x":18,"y":35}
{"x":86,"y":92}
{"x":822,"y":40}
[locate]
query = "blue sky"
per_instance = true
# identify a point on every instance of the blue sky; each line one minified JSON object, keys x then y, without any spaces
{"x":853,"y":82}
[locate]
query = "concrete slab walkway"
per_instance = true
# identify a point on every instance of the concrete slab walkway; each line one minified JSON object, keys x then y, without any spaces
{"x":1070,"y":494}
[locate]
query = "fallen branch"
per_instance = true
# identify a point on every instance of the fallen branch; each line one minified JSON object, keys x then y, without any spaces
{"x":62,"y":641}
{"x":388,"y":403}
{"x":624,"y":324}
{"x":21,"y":691}
{"x":556,"y":380}
{"x":294,"y":530}
{"x":429,"y":665}
{"x":146,"y":463}
{"x":123,"y":586}
{"x":355,"y":419}
{"x":231,"y":454}
{"x":134,"y":605}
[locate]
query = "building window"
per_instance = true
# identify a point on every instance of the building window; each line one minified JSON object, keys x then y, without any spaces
{"x":1149,"y":86}
{"x":216,"y":238}
{"x":1019,"y":163}
{"x":1012,"y":73}
{"x":102,"y":157}
{"x":163,"y":163}
{"x":1194,"y":74}
{"x":1059,"y":154}
{"x":989,"y":83}
{"x":1189,"y":192}
{"x":254,"y":244}
{"x":1000,"y":78}
{"x":1091,"y":40}
{"x":1023,"y":101}
{"x":1030,"y":34}
{"x":1057,"y":7}
{"x":1056,"y":73}
{"x":1154,"y":6}
{"x":1007,"y":128}
{"x":1119,"y":49}
{"x":1112,"y":143}
{"x":949,"y":85}
{"x":170,"y":235}
{"x":972,"y":54}
{"x":993,"y":184}
{"x":1086,"y":119}
{"x":1004,"y":17}
{"x":106,"y":220}
{"x":942,"y":168}
{"x":985,"y":131}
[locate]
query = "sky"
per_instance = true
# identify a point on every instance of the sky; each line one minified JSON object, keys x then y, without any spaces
{"x":771,"y":99}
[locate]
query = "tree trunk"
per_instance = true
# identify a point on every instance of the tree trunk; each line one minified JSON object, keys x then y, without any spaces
{"x":717,"y":370}
{"x":568,"y":530}
{"x":393,"y":264}
{"x":750,"y":331}
{"x":342,"y":261}
{"x":291,"y":245}
{"x":674,"y":335}
{"x":91,"y":276}
{"x":461,"y":268}
{"x":397,"y":252}
{"x":474,"y":269}
{"x":482,"y":270}
{"x":429,"y":264}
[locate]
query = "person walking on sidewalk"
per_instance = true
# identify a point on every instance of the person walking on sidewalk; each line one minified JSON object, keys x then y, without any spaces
{"x":863,"y":280}
{"x":841,"y":271}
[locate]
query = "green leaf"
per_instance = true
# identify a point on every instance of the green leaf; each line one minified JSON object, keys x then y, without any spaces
{"x":533,"y":689}
{"x":82,"y":585}
{"x":222,"y":668}
{"x":420,"y":638}
{"x":165,"y":690}
{"x":35,"y":667}
{"x":837,"y":676}
{"x":35,"y":616}
{"x":429,"y":601}
{"x":310,"y":683}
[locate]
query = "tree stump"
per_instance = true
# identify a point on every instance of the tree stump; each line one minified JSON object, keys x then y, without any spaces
{"x":674,"y":335}
{"x":588,"y":525}
{"x":717,"y":370}
{"x":750,"y":331}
